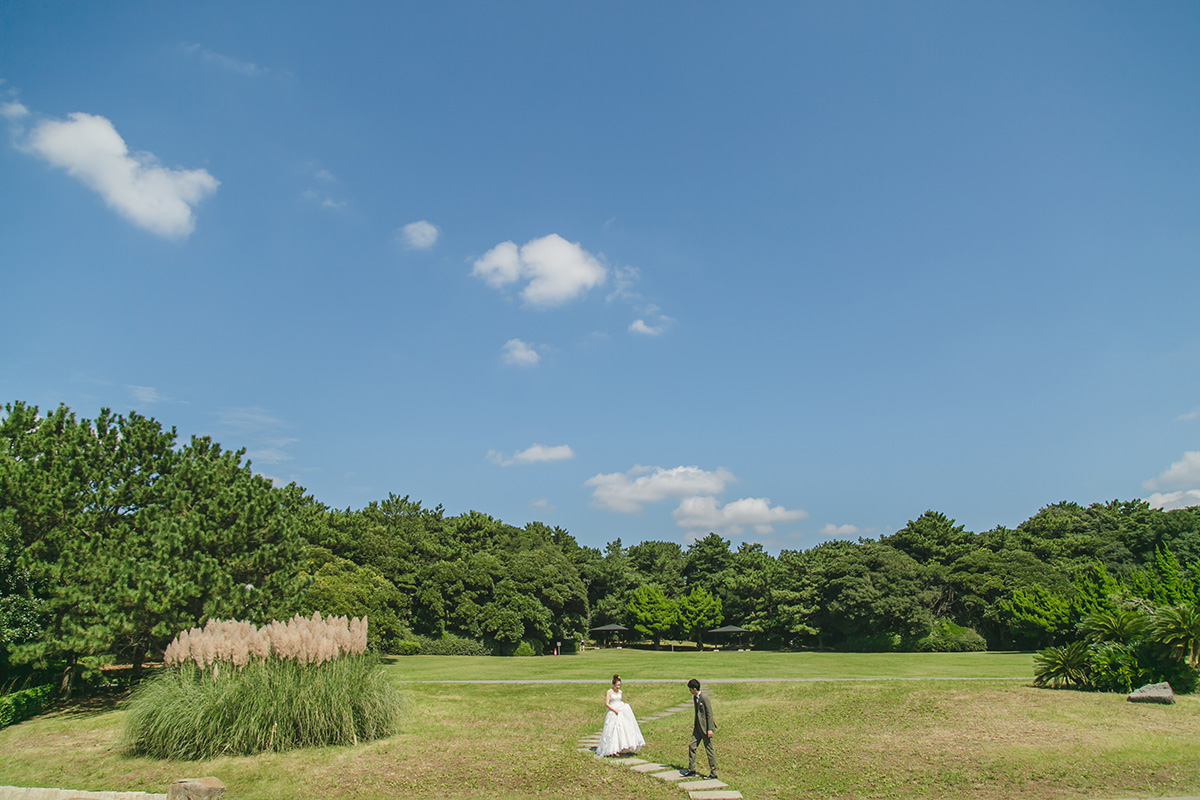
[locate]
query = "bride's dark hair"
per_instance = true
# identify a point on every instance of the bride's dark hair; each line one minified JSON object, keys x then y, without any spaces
{"x":615,"y":679}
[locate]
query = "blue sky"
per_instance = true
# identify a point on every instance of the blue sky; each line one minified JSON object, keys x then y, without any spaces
{"x":785,"y":271}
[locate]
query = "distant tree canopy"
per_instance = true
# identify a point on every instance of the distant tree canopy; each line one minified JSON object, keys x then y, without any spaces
{"x":114,"y":536}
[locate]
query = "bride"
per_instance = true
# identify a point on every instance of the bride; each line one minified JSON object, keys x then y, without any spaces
{"x":621,"y":734}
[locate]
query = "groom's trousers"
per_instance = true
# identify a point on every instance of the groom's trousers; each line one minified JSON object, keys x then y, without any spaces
{"x":697,"y":738}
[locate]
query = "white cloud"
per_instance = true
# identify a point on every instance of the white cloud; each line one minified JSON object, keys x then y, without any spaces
{"x":1183,"y":474}
{"x":1174,"y":500}
{"x":519,"y":354}
{"x":1189,"y":416}
{"x":757,"y":512}
{"x":556,"y":271}
{"x":640,"y":326}
{"x":420,"y":235}
{"x":830,"y":529}
{"x":621,"y":491}
{"x":13,"y":111}
{"x":660,"y":322}
{"x":325,"y":175}
{"x":227,"y":63}
{"x":135,"y":185}
{"x":533,"y":454}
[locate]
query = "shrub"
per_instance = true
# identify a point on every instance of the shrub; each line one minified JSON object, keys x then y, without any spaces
{"x":872,"y":643}
{"x":524,"y":649}
{"x":21,"y":705}
{"x":408,"y":648}
{"x":232,"y":688}
{"x":1062,"y":666}
{"x":451,"y":645}
{"x":1114,"y":667}
{"x":946,"y":637}
{"x":192,"y":712}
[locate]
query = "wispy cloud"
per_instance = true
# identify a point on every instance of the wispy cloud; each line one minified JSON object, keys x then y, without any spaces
{"x":624,"y":279}
{"x":259,"y":431}
{"x":534,"y":454}
{"x":322,"y":192}
{"x":268,"y":450}
{"x":628,"y":491}
{"x":13,"y":111}
{"x":158,"y":199}
{"x":248,"y":418}
{"x":553,"y":270}
{"x":705,"y":513}
{"x":519,"y":354}
{"x":1190,"y":415}
{"x":146,"y":395}
{"x":829,"y":529}
{"x":419,"y":235}
{"x":322,"y":199}
{"x":222,"y":62}
{"x":658,"y":324}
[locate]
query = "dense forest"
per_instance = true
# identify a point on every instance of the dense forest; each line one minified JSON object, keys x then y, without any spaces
{"x":114,"y":536}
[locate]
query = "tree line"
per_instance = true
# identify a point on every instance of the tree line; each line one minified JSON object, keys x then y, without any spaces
{"x":114,"y":536}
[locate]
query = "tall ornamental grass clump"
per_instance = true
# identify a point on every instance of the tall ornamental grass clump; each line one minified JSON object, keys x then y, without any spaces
{"x":234,"y":689}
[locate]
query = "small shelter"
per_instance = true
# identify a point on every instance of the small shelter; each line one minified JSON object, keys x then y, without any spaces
{"x":605,"y":630}
{"x":729,"y":629}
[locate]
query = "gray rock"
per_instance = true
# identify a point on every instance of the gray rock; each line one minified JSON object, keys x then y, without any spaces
{"x":1153,"y":693}
{"x":196,"y":789}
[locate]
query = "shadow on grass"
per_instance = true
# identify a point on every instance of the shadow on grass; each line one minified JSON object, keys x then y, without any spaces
{"x":89,"y":705}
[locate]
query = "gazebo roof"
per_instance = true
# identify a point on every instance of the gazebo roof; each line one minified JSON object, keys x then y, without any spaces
{"x":729,"y":629}
{"x":609,"y":628}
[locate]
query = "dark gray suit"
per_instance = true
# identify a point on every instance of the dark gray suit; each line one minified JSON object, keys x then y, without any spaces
{"x":704,"y":723}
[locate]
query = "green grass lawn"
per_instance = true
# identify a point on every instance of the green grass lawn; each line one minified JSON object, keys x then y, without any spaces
{"x":634,"y":665}
{"x":938,"y":739}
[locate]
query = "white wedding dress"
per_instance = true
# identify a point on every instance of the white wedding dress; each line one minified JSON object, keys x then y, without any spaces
{"x":621,"y":733}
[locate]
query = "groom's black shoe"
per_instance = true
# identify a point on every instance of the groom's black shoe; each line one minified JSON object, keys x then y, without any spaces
{"x":712,"y":777}
{"x":687,"y":773}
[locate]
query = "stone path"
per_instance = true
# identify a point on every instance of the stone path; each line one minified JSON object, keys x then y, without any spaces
{"x":19,"y":793}
{"x":697,"y":787}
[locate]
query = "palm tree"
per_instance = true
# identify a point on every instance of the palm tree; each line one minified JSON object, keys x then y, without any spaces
{"x":1178,"y":627}
{"x":1114,"y":625}
{"x":1059,"y":666}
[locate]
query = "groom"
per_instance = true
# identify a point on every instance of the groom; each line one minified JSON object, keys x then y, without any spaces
{"x":703,"y":729}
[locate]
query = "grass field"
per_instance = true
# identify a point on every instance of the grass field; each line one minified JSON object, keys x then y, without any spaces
{"x":932,"y":738}
{"x":635,"y":665}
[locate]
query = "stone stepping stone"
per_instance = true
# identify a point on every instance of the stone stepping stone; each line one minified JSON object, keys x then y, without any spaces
{"x":672,"y":775}
{"x":716,"y":794}
{"x":649,"y":767}
{"x":628,"y":761}
{"x":585,"y":750}
{"x":27,"y":793}
{"x":707,"y":783}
